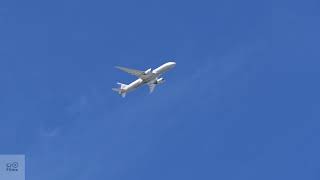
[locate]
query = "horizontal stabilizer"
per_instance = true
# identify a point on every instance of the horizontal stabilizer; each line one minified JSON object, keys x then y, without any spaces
{"x":120,"y":90}
{"x":122,"y":86}
{"x":116,"y":89}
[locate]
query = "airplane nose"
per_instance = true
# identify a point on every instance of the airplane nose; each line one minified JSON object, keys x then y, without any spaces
{"x":172,"y":64}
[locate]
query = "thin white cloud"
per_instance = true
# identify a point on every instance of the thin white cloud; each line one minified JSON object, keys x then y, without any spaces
{"x":49,"y":132}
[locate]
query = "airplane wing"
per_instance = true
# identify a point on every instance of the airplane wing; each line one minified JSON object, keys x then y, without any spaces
{"x":151,"y":87}
{"x":131,"y":71}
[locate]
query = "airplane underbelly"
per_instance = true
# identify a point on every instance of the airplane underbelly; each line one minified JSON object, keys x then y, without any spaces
{"x":150,"y":78}
{"x":135,"y":84}
{"x":161,"y":69}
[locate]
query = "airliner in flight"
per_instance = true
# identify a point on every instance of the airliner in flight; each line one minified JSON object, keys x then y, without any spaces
{"x":150,"y":77}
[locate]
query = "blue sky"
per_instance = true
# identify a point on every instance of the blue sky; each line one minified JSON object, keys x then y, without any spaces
{"x":242,"y":103}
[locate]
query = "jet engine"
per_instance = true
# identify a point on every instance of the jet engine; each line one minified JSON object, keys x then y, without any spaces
{"x":160,"y":81}
{"x":147,"y":71}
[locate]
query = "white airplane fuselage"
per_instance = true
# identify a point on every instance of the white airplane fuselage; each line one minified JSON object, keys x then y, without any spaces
{"x":148,"y":77}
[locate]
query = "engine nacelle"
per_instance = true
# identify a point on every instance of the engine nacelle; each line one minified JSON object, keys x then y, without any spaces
{"x":160,"y":81}
{"x":147,"y":71}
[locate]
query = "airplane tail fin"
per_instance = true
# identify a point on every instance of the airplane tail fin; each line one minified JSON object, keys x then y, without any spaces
{"x":120,"y":90}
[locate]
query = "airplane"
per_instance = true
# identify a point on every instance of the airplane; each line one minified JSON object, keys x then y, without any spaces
{"x":150,"y":77}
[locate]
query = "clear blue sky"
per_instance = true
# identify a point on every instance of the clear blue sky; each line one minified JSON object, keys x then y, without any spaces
{"x":242,"y":103}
